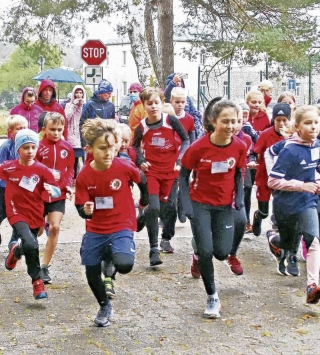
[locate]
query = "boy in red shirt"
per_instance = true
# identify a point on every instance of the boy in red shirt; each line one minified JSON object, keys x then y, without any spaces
{"x":104,"y":199}
{"x":58,"y":155}
{"x":160,"y":163}
{"x":27,"y":181}
{"x":280,"y":118}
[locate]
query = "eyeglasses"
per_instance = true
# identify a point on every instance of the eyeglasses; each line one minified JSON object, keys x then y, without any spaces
{"x":29,"y":103}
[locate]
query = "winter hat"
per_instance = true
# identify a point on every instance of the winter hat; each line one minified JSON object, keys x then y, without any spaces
{"x":244,"y":107}
{"x":25,"y":136}
{"x":281,"y":109}
{"x":104,"y":87}
{"x":136,"y":87}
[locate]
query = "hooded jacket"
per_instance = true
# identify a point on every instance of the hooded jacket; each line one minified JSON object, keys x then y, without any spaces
{"x":31,"y":113}
{"x":189,"y":108}
{"x":53,"y":105}
{"x":73,"y":112}
{"x":96,"y":107}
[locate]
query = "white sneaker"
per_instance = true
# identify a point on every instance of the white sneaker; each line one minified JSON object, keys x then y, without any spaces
{"x":212,"y":310}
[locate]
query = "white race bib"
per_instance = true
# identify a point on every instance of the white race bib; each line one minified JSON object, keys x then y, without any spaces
{"x":219,"y":167}
{"x":159,"y":142}
{"x":27,"y":183}
{"x":104,"y":203}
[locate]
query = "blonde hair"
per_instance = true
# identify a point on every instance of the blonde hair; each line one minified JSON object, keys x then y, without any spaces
{"x":167,"y":108}
{"x":98,"y":127}
{"x":147,"y":92}
{"x":286,"y":94}
{"x":55,"y":117}
{"x":13,"y":120}
{"x":178,"y":92}
{"x":251,"y":93}
{"x":124,"y":128}
{"x":301,"y":111}
{"x":265,"y":85}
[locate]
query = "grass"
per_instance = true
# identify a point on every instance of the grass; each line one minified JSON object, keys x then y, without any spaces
{"x":3,"y":116}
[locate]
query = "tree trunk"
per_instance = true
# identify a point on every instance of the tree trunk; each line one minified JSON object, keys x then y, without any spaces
{"x":151,"y":40}
{"x":165,"y":39}
{"x":139,"y":47}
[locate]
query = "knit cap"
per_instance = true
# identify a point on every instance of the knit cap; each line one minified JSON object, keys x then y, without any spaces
{"x":25,"y":136}
{"x":281,"y":109}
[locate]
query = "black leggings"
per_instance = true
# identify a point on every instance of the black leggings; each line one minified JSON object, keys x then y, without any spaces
{"x":29,"y":248}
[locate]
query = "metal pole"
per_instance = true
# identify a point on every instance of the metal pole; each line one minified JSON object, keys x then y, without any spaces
{"x":267,"y":70}
{"x":198,"y":99}
{"x":310,"y":79}
{"x":260,"y":75}
{"x":229,"y":78}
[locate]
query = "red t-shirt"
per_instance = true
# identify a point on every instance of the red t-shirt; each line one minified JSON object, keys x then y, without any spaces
{"x":160,"y":147}
{"x":187,"y":122}
{"x":114,"y":208}
{"x":266,"y":140}
{"x":23,"y":204}
{"x":58,"y":156}
{"x":214,"y":169}
{"x":259,"y":122}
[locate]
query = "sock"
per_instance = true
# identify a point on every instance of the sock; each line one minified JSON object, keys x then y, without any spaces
{"x":215,"y":295}
{"x":43,"y":266}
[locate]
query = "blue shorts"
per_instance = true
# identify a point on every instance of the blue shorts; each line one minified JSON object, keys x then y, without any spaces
{"x":94,"y":246}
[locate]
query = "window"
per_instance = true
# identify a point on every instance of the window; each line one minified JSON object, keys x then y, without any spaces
{"x":283,"y":86}
{"x":203,"y":58}
{"x":124,"y":58}
{"x":225,"y":88}
{"x":298,"y":89}
{"x":125,"y":88}
{"x":203,"y":87}
{"x":248,"y":86}
{"x":225,"y":61}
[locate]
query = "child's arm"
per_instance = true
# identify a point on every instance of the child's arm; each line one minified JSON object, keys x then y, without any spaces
{"x":192,"y":136}
{"x":177,"y":126}
{"x":140,"y":161}
{"x":185,"y":191}
{"x":143,"y":187}
{"x":66,"y":176}
{"x":85,"y":210}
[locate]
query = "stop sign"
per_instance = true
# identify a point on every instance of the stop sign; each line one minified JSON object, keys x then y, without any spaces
{"x":93,"y":52}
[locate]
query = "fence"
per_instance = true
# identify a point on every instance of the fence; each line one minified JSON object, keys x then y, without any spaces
{"x":234,"y":83}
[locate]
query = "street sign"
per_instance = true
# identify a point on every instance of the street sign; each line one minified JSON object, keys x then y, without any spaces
{"x":93,"y":75}
{"x":94,"y":52}
{"x":291,"y":84}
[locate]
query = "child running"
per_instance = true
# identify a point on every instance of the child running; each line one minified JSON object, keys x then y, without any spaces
{"x":27,"y":180}
{"x":161,"y":163}
{"x":280,"y":118}
{"x":104,"y":199}
{"x":216,"y":160}
{"x":296,"y":183}
{"x":257,"y":115}
{"x":58,"y":155}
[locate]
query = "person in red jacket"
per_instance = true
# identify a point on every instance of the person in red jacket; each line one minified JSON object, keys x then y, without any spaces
{"x":280,"y":119}
{"x":48,"y":102}
{"x":257,"y":116}
{"x":57,"y":154}
{"x":28,"y":108}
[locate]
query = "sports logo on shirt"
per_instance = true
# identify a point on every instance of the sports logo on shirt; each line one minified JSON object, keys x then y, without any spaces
{"x":35,"y":179}
{"x":115,"y":184}
{"x":63,"y":153}
{"x":231,"y":162}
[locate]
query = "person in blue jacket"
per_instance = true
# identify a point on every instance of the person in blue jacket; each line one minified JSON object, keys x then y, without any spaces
{"x":175,"y":80}
{"x":99,"y":105}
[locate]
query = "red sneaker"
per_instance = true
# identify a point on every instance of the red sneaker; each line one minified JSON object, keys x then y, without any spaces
{"x":195,"y":272}
{"x":39,"y":290}
{"x":11,"y":260}
{"x":234,"y":265}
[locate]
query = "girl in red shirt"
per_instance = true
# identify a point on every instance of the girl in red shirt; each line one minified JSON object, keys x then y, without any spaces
{"x":257,"y":116}
{"x":216,"y":160}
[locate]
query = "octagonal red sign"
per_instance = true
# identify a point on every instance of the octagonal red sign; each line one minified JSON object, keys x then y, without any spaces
{"x":94,"y":52}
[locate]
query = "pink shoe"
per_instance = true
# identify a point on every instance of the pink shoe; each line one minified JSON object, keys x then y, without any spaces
{"x":303,"y":248}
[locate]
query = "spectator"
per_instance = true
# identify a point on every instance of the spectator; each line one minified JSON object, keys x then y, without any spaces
{"x":174,"y":80}
{"x":47,"y":101}
{"x":99,"y":105}
{"x":28,"y":109}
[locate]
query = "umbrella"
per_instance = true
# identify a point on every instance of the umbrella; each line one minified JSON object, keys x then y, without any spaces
{"x":59,"y":75}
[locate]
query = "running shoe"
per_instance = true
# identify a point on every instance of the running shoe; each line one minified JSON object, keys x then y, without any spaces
{"x":44,"y":275}
{"x":303,"y":248}
{"x":39,"y":290}
{"x":313,"y":294}
{"x":11,"y":259}
{"x":248,"y":228}
{"x":234,"y":265}
{"x":212,"y":310}
{"x":166,"y":247}
{"x":292,"y":265}
{"x":195,"y":272}
{"x":256,"y":224}
{"x":109,"y":287}
{"x":103,"y":316}
{"x":154,"y":256}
